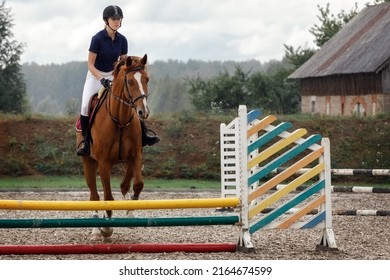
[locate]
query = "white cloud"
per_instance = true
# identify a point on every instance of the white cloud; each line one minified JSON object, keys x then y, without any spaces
{"x":60,"y":31}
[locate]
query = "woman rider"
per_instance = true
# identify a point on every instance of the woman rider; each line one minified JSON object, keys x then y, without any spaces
{"x":106,"y":47}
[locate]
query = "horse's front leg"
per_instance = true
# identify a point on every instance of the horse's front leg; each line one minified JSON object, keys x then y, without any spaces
{"x":138,"y":184}
{"x":90,"y":168}
{"x":125,"y":186}
{"x":105,"y":176}
{"x":125,"y":183}
{"x":132,"y":171}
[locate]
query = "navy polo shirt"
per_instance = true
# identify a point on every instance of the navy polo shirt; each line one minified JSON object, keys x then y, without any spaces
{"x":107,"y":50}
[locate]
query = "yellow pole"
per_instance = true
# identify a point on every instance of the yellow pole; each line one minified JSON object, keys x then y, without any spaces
{"x":118,"y":205}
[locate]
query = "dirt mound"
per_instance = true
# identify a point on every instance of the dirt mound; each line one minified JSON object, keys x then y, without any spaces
{"x":36,"y":146}
{"x":189,"y":146}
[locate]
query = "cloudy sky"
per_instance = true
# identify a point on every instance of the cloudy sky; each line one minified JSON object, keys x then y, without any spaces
{"x":58,"y":31}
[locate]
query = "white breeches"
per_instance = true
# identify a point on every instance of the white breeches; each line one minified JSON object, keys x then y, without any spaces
{"x":91,"y":86}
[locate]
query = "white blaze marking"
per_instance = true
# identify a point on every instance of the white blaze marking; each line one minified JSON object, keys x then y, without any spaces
{"x":137,"y":77}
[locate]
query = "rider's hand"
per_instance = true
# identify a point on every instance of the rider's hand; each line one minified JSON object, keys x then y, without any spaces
{"x":106,"y":83}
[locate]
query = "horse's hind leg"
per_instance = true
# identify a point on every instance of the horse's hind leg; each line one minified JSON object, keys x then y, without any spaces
{"x":90,"y":168}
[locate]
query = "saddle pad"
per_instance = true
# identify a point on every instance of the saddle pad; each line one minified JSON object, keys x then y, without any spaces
{"x":93,"y":102}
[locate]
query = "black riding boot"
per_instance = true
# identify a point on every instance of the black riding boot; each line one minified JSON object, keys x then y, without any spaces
{"x":146,"y":138}
{"x":83,"y":148}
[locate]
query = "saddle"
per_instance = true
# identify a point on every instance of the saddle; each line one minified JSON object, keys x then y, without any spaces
{"x":95,"y":103}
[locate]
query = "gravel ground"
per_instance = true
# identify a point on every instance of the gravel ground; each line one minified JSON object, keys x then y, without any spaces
{"x":357,"y":237}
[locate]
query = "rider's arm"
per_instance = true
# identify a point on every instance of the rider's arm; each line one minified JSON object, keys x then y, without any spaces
{"x":91,"y":66}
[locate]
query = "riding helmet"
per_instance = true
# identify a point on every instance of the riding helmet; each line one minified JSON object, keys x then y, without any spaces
{"x":112,"y":12}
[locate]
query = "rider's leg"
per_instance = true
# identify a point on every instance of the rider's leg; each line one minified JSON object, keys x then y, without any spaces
{"x":148,"y":139}
{"x":91,"y":86}
{"x":83,"y":148}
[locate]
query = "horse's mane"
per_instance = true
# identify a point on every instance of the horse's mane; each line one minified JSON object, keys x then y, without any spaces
{"x":122,"y":64}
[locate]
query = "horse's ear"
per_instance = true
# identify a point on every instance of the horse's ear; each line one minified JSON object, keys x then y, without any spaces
{"x":144,"y":60}
{"x":129,"y":61}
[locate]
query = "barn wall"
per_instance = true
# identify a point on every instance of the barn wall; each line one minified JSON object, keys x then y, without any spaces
{"x":364,"y":94}
{"x":386,"y":79}
{"x":346,"y":105}
{"x":357,"y":84}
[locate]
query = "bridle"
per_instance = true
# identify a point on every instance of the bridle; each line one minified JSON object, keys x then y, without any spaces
{"x":131,"y":101}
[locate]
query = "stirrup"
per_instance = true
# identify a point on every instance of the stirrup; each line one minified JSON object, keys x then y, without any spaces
{"x":151,"y":140}
{"x":83,"y":148}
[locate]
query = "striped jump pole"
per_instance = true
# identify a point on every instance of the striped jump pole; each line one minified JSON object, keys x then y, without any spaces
{"x":352,"y":189}
{"x":351,"y":212}
{"x":116,"y":248}
{"x":362,"y":212}
{"x":346,"y":171}
{"x":358,"y":189}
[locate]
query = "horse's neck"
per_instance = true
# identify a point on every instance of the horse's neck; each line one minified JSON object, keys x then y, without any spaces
{"x":122,"y":114}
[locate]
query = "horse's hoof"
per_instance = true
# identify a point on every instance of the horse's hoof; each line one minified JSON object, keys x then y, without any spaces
{"x":107,"y":240}
{"x":95,"y":216}
{"x":130,"y":214}
{"x":96,"y":237}
{"x":106,"y":231}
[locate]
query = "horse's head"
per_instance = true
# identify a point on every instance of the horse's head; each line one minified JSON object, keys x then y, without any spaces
{"x":131,"y":77}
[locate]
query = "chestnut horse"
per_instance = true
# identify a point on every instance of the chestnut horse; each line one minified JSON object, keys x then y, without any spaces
{"x":116,"y":134}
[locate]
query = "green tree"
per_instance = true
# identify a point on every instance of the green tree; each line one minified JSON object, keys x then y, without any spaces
{"x":330,"y":24}
{"x":12,"y":85}
{"x":286,"y":95}
{"x":271,"y":92}
{"x":298,"y":56}
{"x":231,"y":91}
{"x":222,"y":92}
{"x":260,"y":91}
{"x":200,"y":93}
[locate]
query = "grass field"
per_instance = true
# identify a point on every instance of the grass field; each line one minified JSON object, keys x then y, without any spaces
{"x":78,"y":183}
{"x":72,"y":182}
